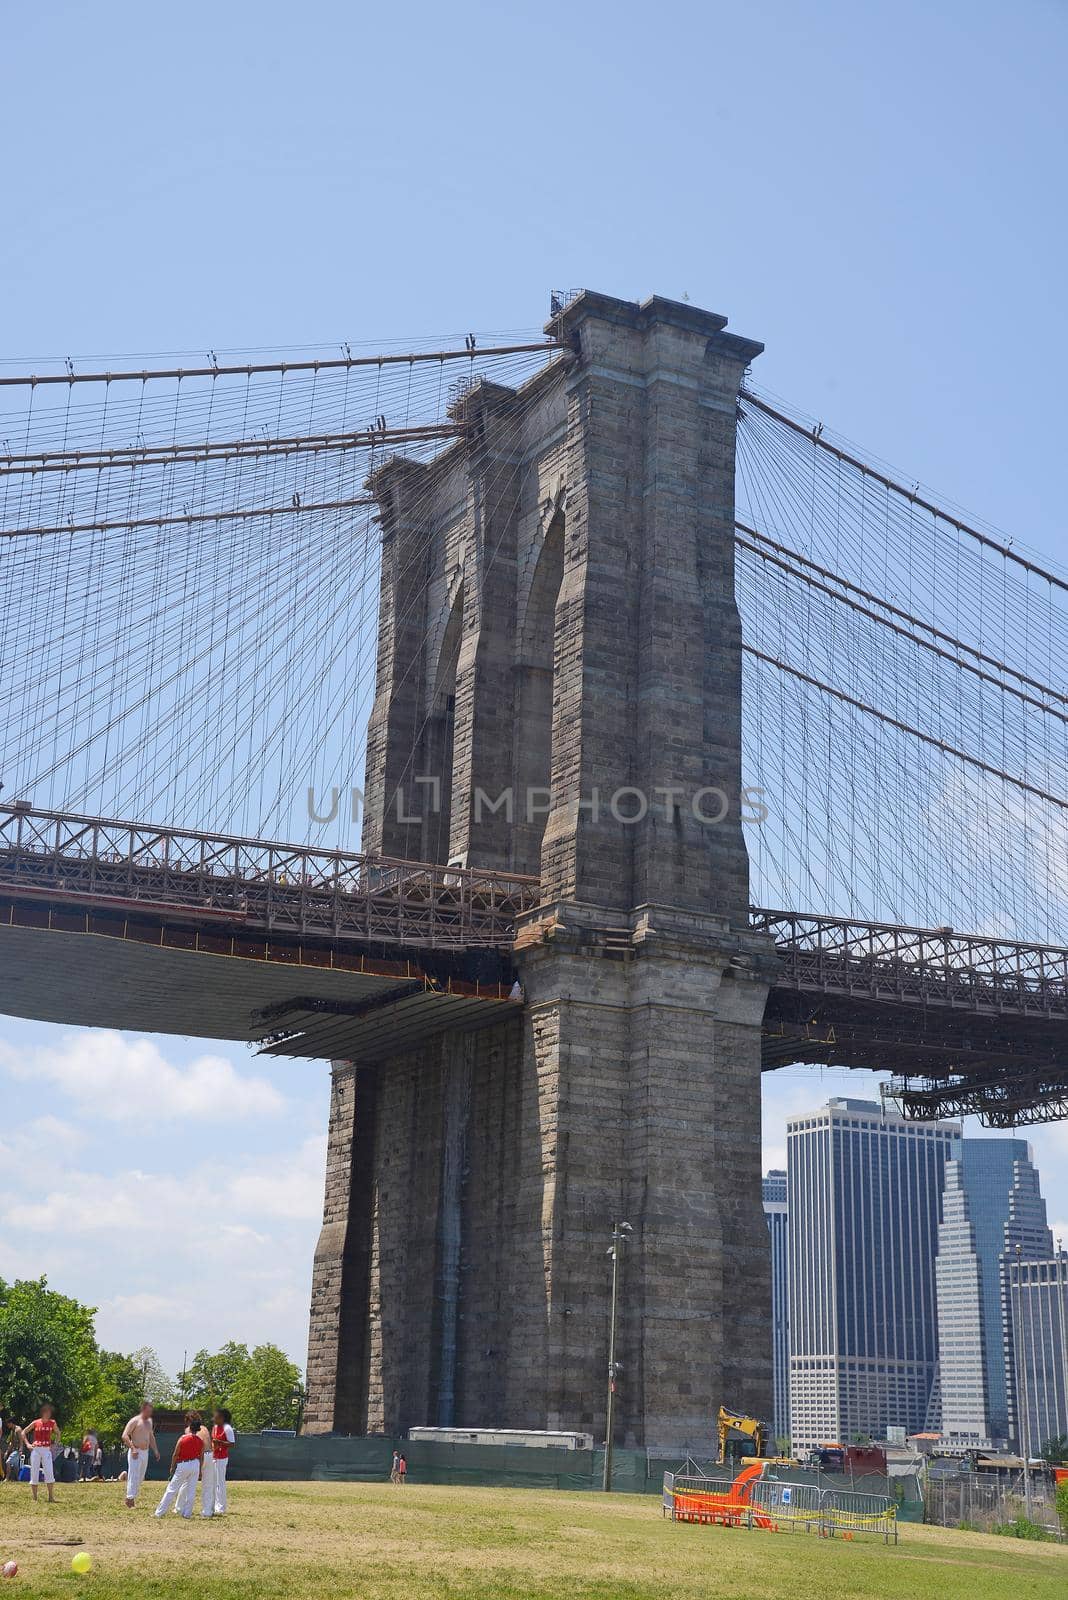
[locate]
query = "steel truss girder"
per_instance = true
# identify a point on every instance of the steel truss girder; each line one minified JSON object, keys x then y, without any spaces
{"x":281,"y":888}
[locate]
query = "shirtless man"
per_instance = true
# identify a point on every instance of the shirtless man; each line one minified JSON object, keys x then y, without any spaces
{"x":39,"y":1438}
{"x":139,"y":1437}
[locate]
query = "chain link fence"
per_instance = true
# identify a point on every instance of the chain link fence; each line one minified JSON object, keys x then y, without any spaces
{"x":968,"y":1501}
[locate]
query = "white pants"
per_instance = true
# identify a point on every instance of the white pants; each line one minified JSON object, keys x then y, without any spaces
{"x":207,"y":1487}
{"x":221,"y":1464}
{"x":182,"y":1487}
{"x":136,"y":1467}
{"x":41,"y":1464}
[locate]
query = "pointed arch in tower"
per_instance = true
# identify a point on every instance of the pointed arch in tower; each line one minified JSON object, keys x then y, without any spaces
{"x":536,"y":649}
{"x":438,"y":739}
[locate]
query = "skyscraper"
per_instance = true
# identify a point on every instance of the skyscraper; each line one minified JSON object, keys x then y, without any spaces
{"x":1027,"y":1238}
{"x":1038,"y":1293}
{"x":775,"y":1210}
{"x":991,"y":1204}
{"x":864,"y":1198}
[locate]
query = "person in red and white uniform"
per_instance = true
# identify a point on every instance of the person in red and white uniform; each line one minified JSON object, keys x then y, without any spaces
{"x":223,"y":1440}
{"x":139,"y":1437}
{"x":41,"y":1438}
{"x":185,"y":1469}
{"x":207,"y":1475}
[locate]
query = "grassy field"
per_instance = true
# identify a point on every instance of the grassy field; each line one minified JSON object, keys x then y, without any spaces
{"x":378,"y":1543}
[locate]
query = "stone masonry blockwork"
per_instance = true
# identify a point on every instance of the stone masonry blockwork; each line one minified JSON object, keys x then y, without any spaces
{"x":558,"y":615}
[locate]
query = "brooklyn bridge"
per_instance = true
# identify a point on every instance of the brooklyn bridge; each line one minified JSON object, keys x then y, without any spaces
{"x":686,"y":739}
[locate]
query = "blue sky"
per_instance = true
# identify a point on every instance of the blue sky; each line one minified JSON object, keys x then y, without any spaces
{"x":874,"y":191}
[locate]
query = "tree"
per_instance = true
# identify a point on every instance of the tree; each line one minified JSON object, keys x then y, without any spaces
{"x":1055,"y":1450}
{"x":113,"y":1401}
{"x":47,"y":1350}
{"x":210,"y":1379}
{"x":262,"y":1395}
{"x":153,"y":1382}
{"x":35,"y":1365}
{"x":1062,"y":1505}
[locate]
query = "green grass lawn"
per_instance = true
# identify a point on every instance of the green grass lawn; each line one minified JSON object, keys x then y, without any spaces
{"x":379,"y":1543}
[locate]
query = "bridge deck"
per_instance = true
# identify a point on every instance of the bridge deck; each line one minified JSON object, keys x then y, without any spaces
{"x":317,"y":953}
{"x":264,"y":886}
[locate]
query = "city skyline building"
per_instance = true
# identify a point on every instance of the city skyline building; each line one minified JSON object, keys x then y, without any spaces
{"x":864,"y":1195}
{"x":1038,"y":1299}
{"x":991,"y":1204}
{"x":1027,"y":1238}
{"x":776,"y":1212}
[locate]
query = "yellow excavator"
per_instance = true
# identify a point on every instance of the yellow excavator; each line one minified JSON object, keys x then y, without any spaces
{"x":736,"y":1422}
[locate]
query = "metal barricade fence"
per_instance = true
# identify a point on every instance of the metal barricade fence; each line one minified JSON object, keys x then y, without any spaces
{"x":786,"y":1505}
{"x":776,"y":1506}
{"x":849,"y":1512}
{"x":693,"y":1497}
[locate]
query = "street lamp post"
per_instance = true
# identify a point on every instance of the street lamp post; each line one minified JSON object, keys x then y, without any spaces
{"x":620,"y":1230}
{"x":297,"y":1397}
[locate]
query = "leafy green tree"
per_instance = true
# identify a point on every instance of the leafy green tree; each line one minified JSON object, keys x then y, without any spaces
{"x":1055,"y":1450}
{"x":1062,"y":1504}
{"x":35,"y":1365}
{"x":210,"y":1379}
{"x":153,"y":1383}
{"x":70,"y":1320}
{"x":262,"y":1395}
{"x":47,"y":1350}
{"x":117,"y":1395}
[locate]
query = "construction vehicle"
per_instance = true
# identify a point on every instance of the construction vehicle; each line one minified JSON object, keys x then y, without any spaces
{"x":737,"y":1422}
{"x":856,"y":1459}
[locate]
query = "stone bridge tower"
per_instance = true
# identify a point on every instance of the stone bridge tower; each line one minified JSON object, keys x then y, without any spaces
{"x":558,"y":693}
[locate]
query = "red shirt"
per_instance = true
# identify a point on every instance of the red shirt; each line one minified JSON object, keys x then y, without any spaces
{"x":44,"y":1433}
{"x":190,"y":1447}
{"x":220,"y":1444}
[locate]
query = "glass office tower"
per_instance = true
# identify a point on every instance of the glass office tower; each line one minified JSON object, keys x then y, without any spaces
{"x":775,"y":1210}
{"x":864,"y":1203}
{"x":991,"y":1206}
{"x":1038,"y":1292}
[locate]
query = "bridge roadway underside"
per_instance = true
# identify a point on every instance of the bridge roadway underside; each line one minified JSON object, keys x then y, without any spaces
{"x":1008,"y":1066}
{"x":156,"y":974}
{"x":160,"y":972}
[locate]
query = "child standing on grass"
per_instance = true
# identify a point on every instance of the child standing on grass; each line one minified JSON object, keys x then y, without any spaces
{"x":402,"y":1470}
{"x":185,"y":1469}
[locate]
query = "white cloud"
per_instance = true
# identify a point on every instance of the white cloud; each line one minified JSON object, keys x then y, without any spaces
{"x":177,"y":1261}
{"x":120,"y":1079}
{"x":287,"y":1186}
{"x":291,"y":1188}
{"x":46,"y":1139}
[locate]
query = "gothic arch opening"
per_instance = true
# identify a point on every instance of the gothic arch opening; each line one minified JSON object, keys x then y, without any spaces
{"x":534,"y":700}
{"x":438,"y":742}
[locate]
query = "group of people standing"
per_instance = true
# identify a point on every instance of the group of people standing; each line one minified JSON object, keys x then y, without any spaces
{"x":201,"y":1455}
